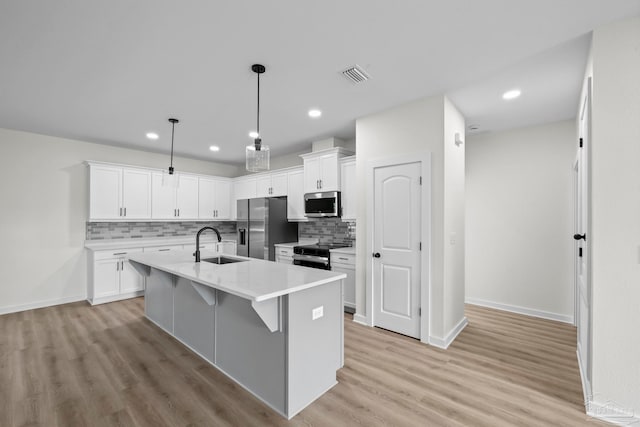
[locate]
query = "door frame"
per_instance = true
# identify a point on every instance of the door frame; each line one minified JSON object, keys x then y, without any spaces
{"x":424,"y":158}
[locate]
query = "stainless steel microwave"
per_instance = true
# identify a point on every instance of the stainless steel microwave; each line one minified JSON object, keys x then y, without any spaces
{"x":322,"y":204}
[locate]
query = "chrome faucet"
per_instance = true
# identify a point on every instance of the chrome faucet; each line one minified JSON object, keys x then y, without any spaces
{"x":197,"y":252}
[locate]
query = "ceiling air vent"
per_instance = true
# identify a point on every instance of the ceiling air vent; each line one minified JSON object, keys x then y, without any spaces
{"x":355,"y":74}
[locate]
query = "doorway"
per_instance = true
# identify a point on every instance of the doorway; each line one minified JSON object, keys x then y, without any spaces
{"x":582,"y":263}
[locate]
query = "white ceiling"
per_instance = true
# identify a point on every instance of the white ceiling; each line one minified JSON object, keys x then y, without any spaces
{"x":110,"y":71}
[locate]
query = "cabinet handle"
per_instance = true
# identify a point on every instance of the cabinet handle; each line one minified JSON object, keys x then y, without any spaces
{"x":344,"y":259}
{"x":125,"y":211}
{"x":178,"y":211}
{"x":163,"y":250}
{"x":216,"y":213}
{"x":118,"y":266}
{"x":121,"y":265}
{"x":120,"y":212}
{"x":321,"y":184}
{"x":120,"y":253}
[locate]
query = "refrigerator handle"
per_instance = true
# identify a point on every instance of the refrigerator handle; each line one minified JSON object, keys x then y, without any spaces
{"x":243,"y":236}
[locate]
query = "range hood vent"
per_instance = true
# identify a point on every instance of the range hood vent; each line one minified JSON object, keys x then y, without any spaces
{"x":356,"y":74}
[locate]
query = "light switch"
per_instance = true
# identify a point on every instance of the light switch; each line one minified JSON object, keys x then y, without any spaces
{"x":317,"y":312}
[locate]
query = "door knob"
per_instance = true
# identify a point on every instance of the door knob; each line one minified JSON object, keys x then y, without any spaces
{"x":580,"y":237}
{"x":376,"y":255}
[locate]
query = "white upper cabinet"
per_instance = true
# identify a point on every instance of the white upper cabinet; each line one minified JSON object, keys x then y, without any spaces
{"x":322,"y":170}
{"x":348,"y":186}
{"x":187,"y":197}
{"x":174,"y":203}
{"x":117,"y":193}
{"x":295,"y":196}
{"x":271,"y":185}
{"x":136,"y":194}
{"x":245,"y":188}
{"x":214,"y":197}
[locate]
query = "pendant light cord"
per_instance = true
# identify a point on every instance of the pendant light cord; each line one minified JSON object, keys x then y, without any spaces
{"x":258,"y":140}
{"x":173,"y":128}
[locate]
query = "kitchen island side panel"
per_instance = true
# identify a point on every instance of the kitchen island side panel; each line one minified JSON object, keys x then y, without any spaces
{"x":314,"y":345}
{"x":158,"y":298}
{"x":194,"y":319}
{"x":250,"y":353}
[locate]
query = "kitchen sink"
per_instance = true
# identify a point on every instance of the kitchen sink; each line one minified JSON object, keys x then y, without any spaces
{"x":222,"y":260}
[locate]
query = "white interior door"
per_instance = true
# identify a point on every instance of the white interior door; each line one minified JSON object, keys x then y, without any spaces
{"x":582,"y":252}
{"x":396,"y":248}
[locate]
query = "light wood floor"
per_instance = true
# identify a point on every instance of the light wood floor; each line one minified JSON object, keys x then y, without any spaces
{"x":76,"y":365}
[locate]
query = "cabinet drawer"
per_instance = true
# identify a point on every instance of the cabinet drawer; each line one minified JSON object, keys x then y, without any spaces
{"x":284,"y":251}
{"x":339,"y":258}
{"x":165,"y":248}
{"x":115,"y":253}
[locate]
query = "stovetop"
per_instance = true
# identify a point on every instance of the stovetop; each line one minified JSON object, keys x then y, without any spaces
{"x":317,"y":249}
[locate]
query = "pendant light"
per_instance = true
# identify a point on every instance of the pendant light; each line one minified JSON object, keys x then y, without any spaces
{"x":169,"y":179}
{"x":257,"y":155}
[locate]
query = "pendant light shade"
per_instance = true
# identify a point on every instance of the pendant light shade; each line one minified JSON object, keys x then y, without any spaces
{"x":169,"y":179}
{"x":257,"y":154}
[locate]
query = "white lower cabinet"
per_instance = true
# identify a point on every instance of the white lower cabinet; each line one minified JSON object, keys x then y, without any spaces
{"x":167,"y":248}
{"x":346,"y":263}
{"x":112,"y":277}
{"x":284,"y":254}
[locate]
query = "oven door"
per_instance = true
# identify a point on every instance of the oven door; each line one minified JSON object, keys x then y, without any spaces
{"x":312,"y":261}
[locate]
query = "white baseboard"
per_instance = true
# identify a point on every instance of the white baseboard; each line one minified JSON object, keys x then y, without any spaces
{"x":453,"y":333}
{"x":612,"y":413}
{"x":586,"y":386}
{"x":113,"y":298}
{"x":359,"y":318}
{"x":41,"y":304}
{"x":521,"y":310}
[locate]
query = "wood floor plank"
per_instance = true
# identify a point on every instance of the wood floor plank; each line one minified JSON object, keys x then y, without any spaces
{"x":77,"y":365}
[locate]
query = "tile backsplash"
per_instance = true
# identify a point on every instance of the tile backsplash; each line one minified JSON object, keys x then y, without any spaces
{"x":325,"y":230}
{"x":132,"y":230}
{"x":328,"y":231}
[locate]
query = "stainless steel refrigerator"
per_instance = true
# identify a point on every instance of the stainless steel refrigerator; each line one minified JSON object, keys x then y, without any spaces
{"x":261,"y":224}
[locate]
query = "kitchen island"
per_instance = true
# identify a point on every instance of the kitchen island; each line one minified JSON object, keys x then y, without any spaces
{"x":275,"y":329}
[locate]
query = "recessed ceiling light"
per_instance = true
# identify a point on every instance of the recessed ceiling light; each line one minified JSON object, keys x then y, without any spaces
{"x":511,"y":94}
{"x":315,"y":113}
{"x":152,"y":135}
{"x":253,"y":134}
{"x":214,"y":148}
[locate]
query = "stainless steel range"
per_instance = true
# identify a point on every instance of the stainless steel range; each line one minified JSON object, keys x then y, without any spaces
{"x":315,"y":256}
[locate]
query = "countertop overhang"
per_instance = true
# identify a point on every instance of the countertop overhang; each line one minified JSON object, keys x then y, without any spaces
{"x":253,"y":279}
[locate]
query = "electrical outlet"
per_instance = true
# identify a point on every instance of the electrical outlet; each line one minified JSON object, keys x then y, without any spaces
{"x":317,"y":312}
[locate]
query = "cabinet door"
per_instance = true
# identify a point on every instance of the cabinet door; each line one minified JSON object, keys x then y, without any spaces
{"x":187,"y":197}
{"x":206,"y":198}
{"x":295,"y":196}
{"x":163,"y":199}
{"x":228,"y":248}
{"x":348,"y":187}
{"x":329,"y":173}
{"x":311,"y":175}
{"x":130,"y":279}
{"x":105,"y":198}
{"x":245,"y":189}
{"x":106,"y":278}
{"x":223,"y":200}
{"x":263,"y":186}
{"x":136,"y":194}
{"x":349,"y":284}
{"x":279,"y":184}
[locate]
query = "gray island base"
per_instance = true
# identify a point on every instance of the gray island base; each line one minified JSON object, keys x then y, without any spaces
{"x":283,"y":342}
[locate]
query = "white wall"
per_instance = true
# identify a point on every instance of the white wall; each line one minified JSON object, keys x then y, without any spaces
{"x":519,"y":217}
{"x":44,"y":190}
{"x":414,"y":128}
{"x":615,"y":201}
{"x":454,"y":218}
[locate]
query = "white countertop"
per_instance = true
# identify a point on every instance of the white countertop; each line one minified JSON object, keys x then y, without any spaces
{"x":109,"y":244}
{"x":255,"y":279}
{"x":348,"y":250}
